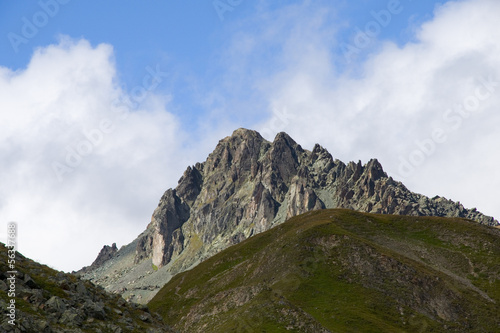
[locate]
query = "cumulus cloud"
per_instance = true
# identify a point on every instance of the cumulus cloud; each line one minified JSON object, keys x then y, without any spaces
{"x":426,"y":109}
{"x":83,"y":162}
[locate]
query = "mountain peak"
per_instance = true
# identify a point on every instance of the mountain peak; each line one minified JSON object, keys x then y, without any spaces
{"x":284,"y":138}
{"x":246,"y":186}
{"x":246,"y":133}
{"x":375,"y":169}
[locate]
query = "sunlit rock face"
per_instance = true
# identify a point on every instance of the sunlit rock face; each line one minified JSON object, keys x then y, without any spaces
{"x":248,"y":185}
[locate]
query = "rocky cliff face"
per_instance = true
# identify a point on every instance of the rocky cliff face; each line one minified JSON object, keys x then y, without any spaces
{"x":246,"y":186}
{"x":107,"y":252}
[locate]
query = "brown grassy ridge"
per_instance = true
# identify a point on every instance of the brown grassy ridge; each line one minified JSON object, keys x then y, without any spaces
{"x":345,"y":271}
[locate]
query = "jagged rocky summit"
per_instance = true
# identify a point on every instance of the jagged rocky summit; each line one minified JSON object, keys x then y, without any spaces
{"x":246,"y":186}
{"x":106,"y":253}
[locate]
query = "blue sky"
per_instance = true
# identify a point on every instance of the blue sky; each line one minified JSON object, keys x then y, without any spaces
{"x":186,"y":38}
{"x":186,"y":32}
{"x":104,"y":104}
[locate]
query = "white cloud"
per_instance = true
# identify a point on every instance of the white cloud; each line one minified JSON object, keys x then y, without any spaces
{"x":286,"y":59}
{"x":79,"y":169}
{"x":400,"y":96}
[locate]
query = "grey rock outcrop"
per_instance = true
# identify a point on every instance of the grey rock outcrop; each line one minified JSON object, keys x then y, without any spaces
{"x":53,"y":302}
{"x":107,"y":252}
{"x":248,"y":185}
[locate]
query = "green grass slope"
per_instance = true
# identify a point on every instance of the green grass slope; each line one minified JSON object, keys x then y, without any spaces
{"x":344,"y":271}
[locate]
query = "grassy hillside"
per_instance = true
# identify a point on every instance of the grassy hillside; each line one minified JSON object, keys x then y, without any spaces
{"x":50,"y":301}
{"x":344,"y":271}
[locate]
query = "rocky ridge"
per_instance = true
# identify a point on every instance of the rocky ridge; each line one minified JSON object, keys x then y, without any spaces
{"x":51,"y":302}
{"x":246,"y":186}
{"x":107,"y":252}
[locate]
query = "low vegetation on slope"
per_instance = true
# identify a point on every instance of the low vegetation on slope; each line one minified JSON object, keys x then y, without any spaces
{"x":49,"y":301}
{"x":344,"y":271}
